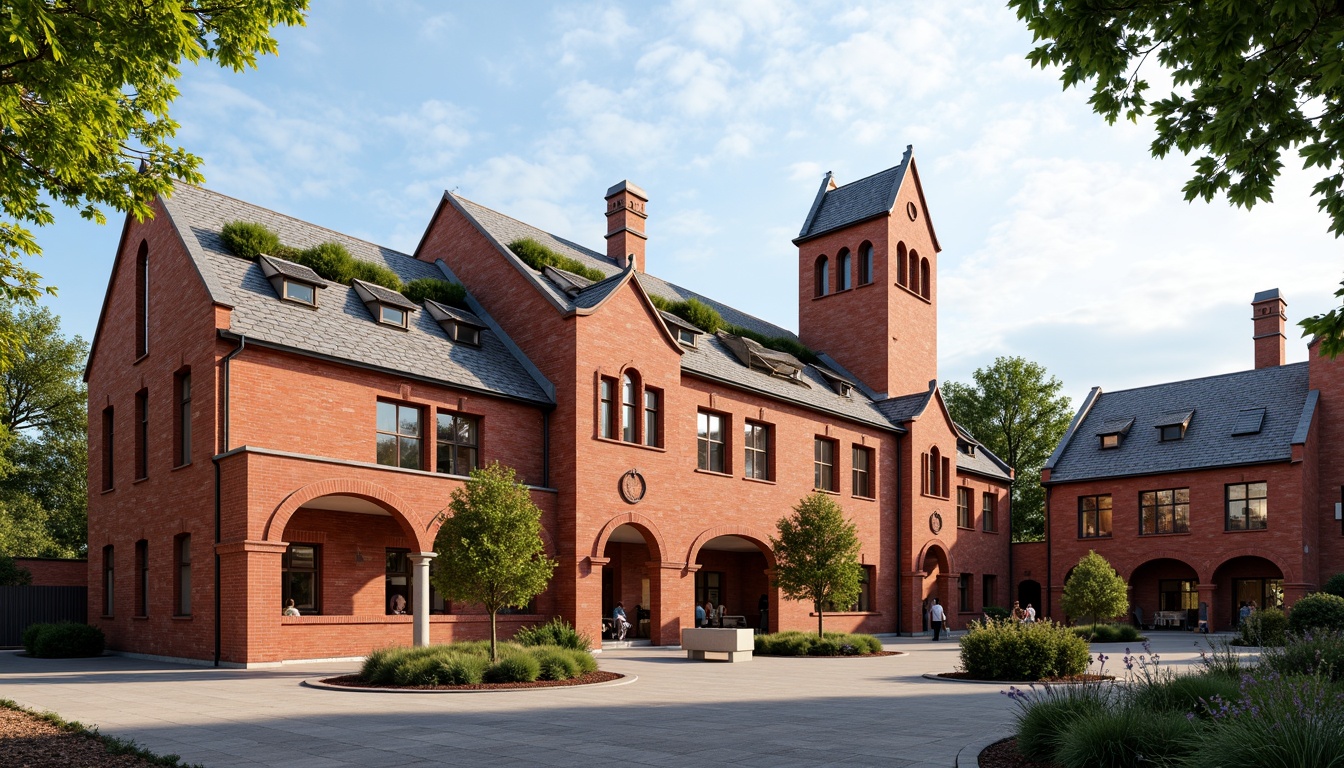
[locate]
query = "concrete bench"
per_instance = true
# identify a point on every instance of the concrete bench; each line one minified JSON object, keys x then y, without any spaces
{"x":737,"y":643}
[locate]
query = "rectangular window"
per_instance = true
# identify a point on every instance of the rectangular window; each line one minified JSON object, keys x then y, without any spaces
{"x":710,"y":442}
{"x":989,"y":591}
{"x":397,"y":581}
{"x":606,"y":409}
{"x":1177,"y":595}
{"x":964,"y":592}
{"x":629,"y":408}
{"x":963,"y":507}
{"x":1247,"y":506}
{"x":398,"y":435}
{"x":182,"y":598}
{"x":109,"y":580}
{"x":392,"y":315}
{"x":823,"y":463}
{"x":1164,"y":511}
{"x":142,"y":578}
{"x":300,"y":292}
{"x":863,"y":472}
{"x":182,"y":436}
{"x":142,"y":434}
{"x":865,"y":602}
{"x":142,"y":301}
{"x":108,"y":442}
{"x":1094,"y":516}
{"x":756,"y":451}
{"x":652,"y":434}
{"x":988,"y":502}
{"x":709,"y":587}
{"x":300,"y":582}
{"x":458,"y":444}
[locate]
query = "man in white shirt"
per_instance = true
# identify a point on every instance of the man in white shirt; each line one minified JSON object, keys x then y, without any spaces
{"x":1031,"y":613}
{"x":936,"y":618}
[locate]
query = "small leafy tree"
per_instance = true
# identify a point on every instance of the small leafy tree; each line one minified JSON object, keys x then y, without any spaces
{"x":490,"y":549}
{"x":12,"y":574}
{"x":1094,"y":589}
{"x":817,"y":555}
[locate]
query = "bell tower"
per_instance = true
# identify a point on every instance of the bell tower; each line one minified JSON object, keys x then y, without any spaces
{"x":868,"y":279}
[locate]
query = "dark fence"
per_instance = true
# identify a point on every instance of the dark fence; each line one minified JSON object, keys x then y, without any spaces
{"x":22,"y":606}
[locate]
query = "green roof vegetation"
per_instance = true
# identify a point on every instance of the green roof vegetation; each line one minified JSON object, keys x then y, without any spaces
{"x":707,"y":319}
{"x":441,"y":291}
{"x":538,"y":257}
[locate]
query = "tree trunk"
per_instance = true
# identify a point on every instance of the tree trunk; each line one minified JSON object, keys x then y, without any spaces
{"x":494,"y":652}
{"x":819,"y":617}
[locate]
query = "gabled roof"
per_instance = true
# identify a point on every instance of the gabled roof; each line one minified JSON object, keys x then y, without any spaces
{"x":837,"y":207}
{"x":1212,"y":406}
{"x":340,"y":327}
{"x":906,"y":407}
{"x":374,"y":292}
{"x":274,"y":265}
{"x":981,"y":460}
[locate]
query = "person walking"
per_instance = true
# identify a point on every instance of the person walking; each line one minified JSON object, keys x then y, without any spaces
{"x":936,"y":618}
{"x":763,"y":605}
{"x":619,"y":623}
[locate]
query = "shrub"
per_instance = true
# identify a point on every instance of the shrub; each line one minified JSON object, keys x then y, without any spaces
{"x":66,"y":640}
{"x":1221,"y":660}
{"x":557,"y":632}
{"x":794,"y":643}
{"x":514,"y":668}
{"x":377,"y":274}
{"x":1266,"y":626}
{"x":1335,"y":586}
{"x":556,"y":665}
{"x":1108,"y":633}
{"x":996,"y":613}
{"x":538,"y":257}
{"x":12,"y":574}
{"x":777,"y":343}
{"x":1276,"y":722}
{"x":1044,"y":715}
{"x":1317,"y":611}
{"x":461,"y":669}
{"x":1009,"y":650}
{"x":1124,"y":737}
{"x":246,"y":239}
{"x":1183,"y":694}
{"x":442,"y":291}
{"x":1315,"y":653}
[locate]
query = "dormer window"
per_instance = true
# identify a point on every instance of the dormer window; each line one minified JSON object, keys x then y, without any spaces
{"x":386,"y":305}
{"x":1113,"y":431}
{"x":685,"y":331}
{"x":292,"y":282}
{"x":459,"y":325}
{"x":1172,"y":426}
{"x":1110,"y":441}
{"x":686,"y":337}
{"x":466,"y":334}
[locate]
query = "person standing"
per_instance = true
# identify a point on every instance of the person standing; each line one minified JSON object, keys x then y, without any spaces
{"x":619,"y":624}
{"x":1018,"y":615}
{"x":936,"y":618}
{"x":699,"y":615}
{"x":763,"y":605}
{"x":1030,"y":613}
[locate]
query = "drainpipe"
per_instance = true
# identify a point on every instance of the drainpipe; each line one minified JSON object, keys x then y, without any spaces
{"x":1011,"y":585}
{"x":546,"y":449}
{"x":900,"y":559}
{"x":224,"y":436}
{"x":1049,"y":558}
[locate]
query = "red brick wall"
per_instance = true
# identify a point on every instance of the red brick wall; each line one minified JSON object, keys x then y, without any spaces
{"x":49,"y":572}
{"x":1327,"y":448}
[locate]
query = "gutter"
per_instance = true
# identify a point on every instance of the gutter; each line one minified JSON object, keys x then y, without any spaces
{"x":224,"y":437}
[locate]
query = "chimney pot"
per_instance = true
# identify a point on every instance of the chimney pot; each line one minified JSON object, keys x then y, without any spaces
{"x":625,"y":225}
{"x":1268,"y":313}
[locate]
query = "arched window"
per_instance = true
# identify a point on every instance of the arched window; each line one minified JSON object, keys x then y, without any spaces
{"x":924,"y":278}
{"x":629,"y":409}
{"x":845,"y":280}
{"x":865,"y":264}
{"x":823,"y":276}
{"x":902,"y":276}
{"x":142,"y":300}
{"x":914,"y":272}
{"x":935,"y":466}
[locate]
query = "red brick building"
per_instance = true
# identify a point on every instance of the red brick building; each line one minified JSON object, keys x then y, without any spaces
{"x":260,"y":434}
{"x":1215,"y":491}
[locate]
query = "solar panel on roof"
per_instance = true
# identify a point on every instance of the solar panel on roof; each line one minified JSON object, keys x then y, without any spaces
{"x":1249,"y":421}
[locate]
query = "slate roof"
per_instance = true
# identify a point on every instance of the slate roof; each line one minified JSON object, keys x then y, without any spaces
{"x":854,"y":202}
{"x":904,"y":408}
{"x":386,"y":295}
{"x":294,"y":271}
{"x":1217,"y":403}
{"x":340,"y":327}
{"x":982,"y":461}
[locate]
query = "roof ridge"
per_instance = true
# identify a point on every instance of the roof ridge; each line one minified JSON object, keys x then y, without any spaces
{"x":587,"y":251}
{"x":1204,"y":378}
{"x":871,"y":175}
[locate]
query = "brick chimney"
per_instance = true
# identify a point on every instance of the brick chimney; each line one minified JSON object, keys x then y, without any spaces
{"x":625,"y":225}
{"x":1269,"y":317}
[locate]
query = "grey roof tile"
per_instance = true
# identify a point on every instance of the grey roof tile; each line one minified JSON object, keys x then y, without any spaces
{"x":856,"y":201}
{"x":291,"y":270}
{"x":1216,"y":402}
{"x":904,"y":408}
{"x":340,"y":327}
{"x":385,"y":295}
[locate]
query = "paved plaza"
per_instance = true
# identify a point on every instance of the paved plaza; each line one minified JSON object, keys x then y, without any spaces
{"x":769,"y":712}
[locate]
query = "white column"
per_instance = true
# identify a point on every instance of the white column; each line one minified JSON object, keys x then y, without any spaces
{"x":420,"y":578}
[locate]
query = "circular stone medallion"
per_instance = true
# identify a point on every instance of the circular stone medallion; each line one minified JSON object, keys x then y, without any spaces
{"x":632,"y":486}
{"x":935,"y":523}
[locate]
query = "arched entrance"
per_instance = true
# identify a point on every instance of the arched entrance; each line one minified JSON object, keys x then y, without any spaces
{"x":1029,"y":593}
{"x":629,"y":577}
{"x":936,"y":584}
{"x":733,"y":573}
{"x":1243,"y":580}
{"x":1164,"y":594}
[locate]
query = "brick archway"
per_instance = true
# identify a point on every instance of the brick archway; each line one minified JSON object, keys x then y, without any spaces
{"x":1211,"y":565}
{"x":435,"y":522}
{"x":761,"y":540}
{"x":932,"y":546}
{"x":375,"y":494}
{"x":1129,"y":576}
{"x":653,"y":538}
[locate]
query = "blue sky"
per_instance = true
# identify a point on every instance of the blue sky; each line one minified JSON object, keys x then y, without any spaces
{"x":1064,"y":241}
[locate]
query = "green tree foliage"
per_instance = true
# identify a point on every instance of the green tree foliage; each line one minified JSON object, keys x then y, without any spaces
{"x":1094,"y":590}
{"x":1335,"y":585}
{"x":1015,"y":409}
{"x":1250,"y":81}
{"x":84,"y":96}
{"x":43,"y":416}
{"x":817,"y":555}
{"x":490,"y":549}
{"x":12,"y":574}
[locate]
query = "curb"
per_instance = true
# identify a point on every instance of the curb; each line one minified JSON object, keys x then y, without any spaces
{"x":941,"y":679}
{"x":971,"y":752}
{"x":318,"y":684}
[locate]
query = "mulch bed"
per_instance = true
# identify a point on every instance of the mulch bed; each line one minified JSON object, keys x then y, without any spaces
{"x":1004,"y":754}
{"x":353,"y":681}
{"x":1064,"y":679}
{"x":854,"y":656}
{"x":27,"y":741}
